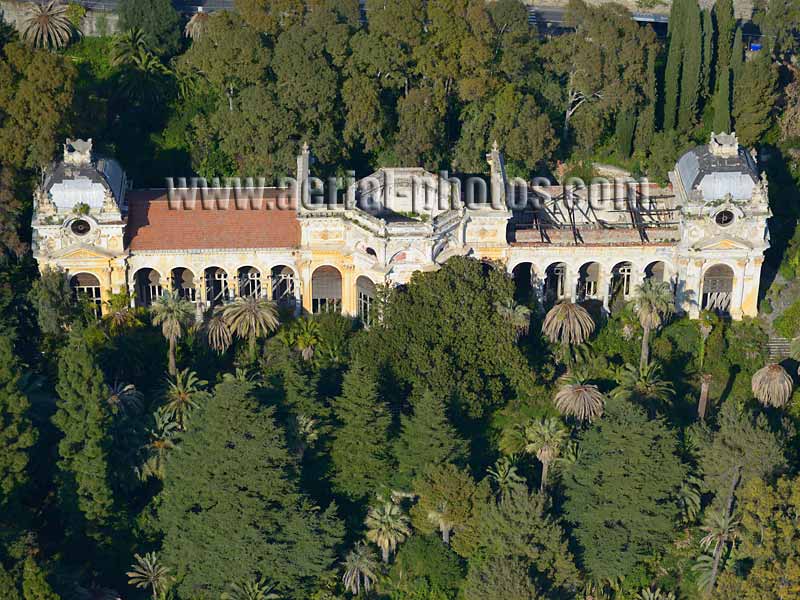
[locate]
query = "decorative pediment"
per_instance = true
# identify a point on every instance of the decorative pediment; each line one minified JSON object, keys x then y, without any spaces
{"x":722,"y":243}
{"x":84,"y":253}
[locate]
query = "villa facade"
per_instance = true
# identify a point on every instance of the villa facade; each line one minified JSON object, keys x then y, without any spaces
{"x":705,"y":234}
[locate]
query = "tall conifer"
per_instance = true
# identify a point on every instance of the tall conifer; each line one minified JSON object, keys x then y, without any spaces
{"x":359,"y":449}
{"x":708,"y":54}
{"x":691,"y":68}
{"x":16,"y":432}
{"x":84,"y":418}
{"x":427,"y":438}
{"x":726,"y":25}
{"x":737,"y":55}
{"x":722,"y":103}
{"x":672,"y":74}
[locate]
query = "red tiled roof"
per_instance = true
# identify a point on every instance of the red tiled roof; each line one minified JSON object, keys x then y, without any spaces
{"x":156,"y":223}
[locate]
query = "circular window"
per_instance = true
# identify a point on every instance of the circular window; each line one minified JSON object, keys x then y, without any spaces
{"x":724,"y":218}
{"x":80,"y":227}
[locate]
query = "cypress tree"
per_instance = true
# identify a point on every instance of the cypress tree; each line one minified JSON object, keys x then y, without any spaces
{"x":708,"y":53}
{"x":17,"y":435}
{"x":754,"y":98}
{"x":34,"y":583}
{"x":726,"y":24}
{"x":426,"y":438}
{"x":231,"y":509}
{"x":359,"y":448}
{"x":722,"y":104}
{"x":672,"y":74}
{"x":737,"y":55}
{"x":646,"y":120}
{"x":691,"y":68}
{"x":626,"y":122}
{"x":84,"y":418}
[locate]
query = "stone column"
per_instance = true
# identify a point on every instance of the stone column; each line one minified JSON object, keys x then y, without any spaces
{"x":752,"y":280}
{"x":603,"y":287}
{"x":304,"y":284}
{"x":690,"y":286}
{"x":348,"y":291}
{"x":737,"y":293}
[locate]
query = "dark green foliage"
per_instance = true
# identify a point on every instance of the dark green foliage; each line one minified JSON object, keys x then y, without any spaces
{"x":620,"y":491}
{"x":444,"y":333}
{"x":722,"y":102}
{"x":17,"y":435}
{"x":754,"y":98}
{"x":691,"y":71}
{"x":708,"y":53}
{"x":425,"y":568}
{"x":672,"y":75}
{"x":360,"y":448}
{"x":8,"y":587}
{"x":742,"y":448}
{"x":34,"y":583}
{"x":519,"y":532}
{"x":726,"y":26}
{"x":231,"y":508}
{"x":157,"y":19}
{"x":84,"y":418}
{"x":426,"y":438}
{"x":737,"y":54}
{"x":788,"y":323}
{"x":51,"y":297}
{"x":626,"y":123}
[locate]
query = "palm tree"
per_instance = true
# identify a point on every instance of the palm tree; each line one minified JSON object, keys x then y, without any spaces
{"x":181,"y":392}
{"x":196,"y":25}
{"x":653,"y":303}
{"x":120,"y":315}
{"x":147,"y":572}
{"x":576,"y":398}
{"x":772,"y":385}
{"x":127,"y":45}
{"x":643,"y":385}
{"x":544,"y":439}
{"x":705,"y":378}
{"x":360,"y":569}
{"x":47,"y":25}
{"x":145,"y":76}
{"x":506,"y":478}
{"x":174,"y":314}
{"x":305,"y":337}
{"x":517,"y":315}
{"x":251,"y":318}
{"x":217,"y":333}
{"x":160,"y":445}
{"x":720,"y":527}
{"x":123,"y":397}
{"x":567,"y":324}
{"x":254,"y":589}
{"x":387,"y":527}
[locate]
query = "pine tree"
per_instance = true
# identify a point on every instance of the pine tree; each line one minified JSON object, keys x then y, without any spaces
{"x":672,"y":74}
{"x":231,"y":509}
{"x":359,"y":449}
{"x":84,"y":418}
{"x":300,"y":389}
{"x":726,"y":25}
{"x":427,"y":438}
{"x":708,"y":53}
{"x":722,"y":103}
{"x":34,"y":583}
{"x":17,"y":435}
{"x":692,"y":68}
{"x":619,"y":493}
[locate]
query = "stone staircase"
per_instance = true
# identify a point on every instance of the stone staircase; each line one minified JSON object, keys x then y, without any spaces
{"x":779,"y":348}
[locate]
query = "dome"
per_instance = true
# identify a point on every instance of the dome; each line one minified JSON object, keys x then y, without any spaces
{"x":719,"y":169}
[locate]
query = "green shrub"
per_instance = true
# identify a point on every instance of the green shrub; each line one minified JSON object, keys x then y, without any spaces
{"x":788,"y":324}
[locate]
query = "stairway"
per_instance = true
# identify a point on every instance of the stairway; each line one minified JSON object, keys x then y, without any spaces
{"x":779,"y":348}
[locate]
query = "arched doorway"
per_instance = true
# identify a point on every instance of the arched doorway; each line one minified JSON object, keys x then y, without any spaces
{"x":365,"y":290}
{"x":717,"y":289}
{"x":249,"y":282}
{"x":522,"y":275}
{"x":183,"y":283}
{"x":326,"y":290}
{"x":86,"y":286}
{"x":589,"y":281}
{"x":147,"y":286}
{"x":217,"y":290}
{"x":283,"y":284}
{"x":555,"y":283}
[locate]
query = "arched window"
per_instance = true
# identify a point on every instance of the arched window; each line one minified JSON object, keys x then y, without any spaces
{"x":589,"y":281}
{"x":183,"y":283}
{"x":249,"y":279}
{"x":147,"y":285}
{"x":523,"y":284}
{"x":87,"y":287}
{"x":621,"y":279}
{"x":283,"y":284}
{"x":326,"y":290}
{"x":555,"y":283}
{"x":216,"y":286}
